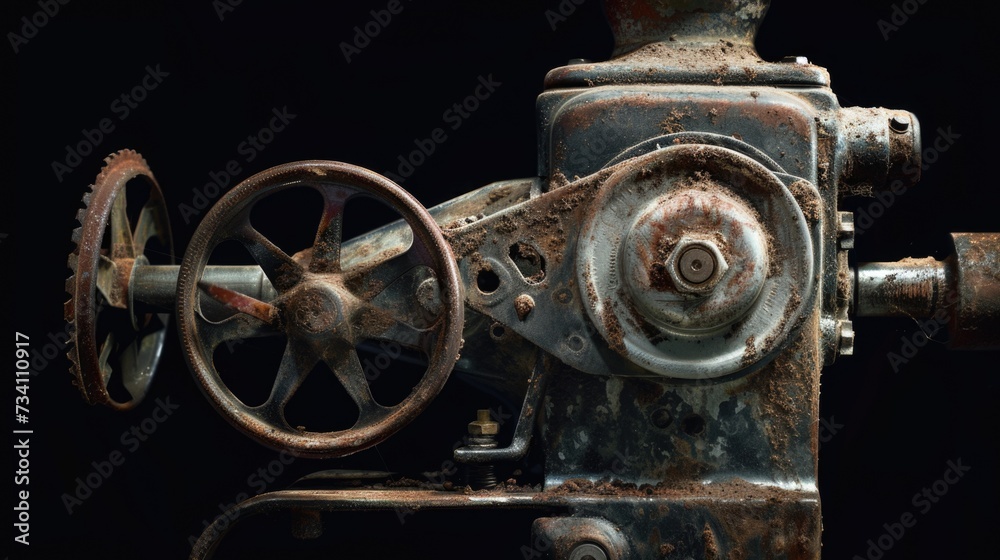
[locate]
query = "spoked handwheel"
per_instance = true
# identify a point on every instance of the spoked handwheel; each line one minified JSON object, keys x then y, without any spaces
{"x":112,"y":341}
{"x":324,"y":309}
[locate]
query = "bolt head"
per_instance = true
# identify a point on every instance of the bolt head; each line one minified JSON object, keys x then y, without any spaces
{"x":696,"y":266}
{"x":484,"y":425}
{"x":429,"y":296}
{"x":846,"y":338}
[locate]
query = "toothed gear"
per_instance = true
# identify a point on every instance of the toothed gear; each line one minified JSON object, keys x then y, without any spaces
{"x":107,"y":249}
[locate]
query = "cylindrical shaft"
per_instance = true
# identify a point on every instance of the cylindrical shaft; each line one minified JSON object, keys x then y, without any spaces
{"x":908,"y":288}
{"x":156,"y":286}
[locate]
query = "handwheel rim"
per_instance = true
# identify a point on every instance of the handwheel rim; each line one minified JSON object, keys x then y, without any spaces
{"x":426,"y":233}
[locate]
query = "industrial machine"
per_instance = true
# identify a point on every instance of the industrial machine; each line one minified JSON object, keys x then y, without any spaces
{"x":671,"y":283}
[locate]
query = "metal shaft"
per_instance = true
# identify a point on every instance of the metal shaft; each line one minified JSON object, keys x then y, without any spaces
{"x":156,"y":286}
{"x":908,"y":288}
{"x":962,"y":291}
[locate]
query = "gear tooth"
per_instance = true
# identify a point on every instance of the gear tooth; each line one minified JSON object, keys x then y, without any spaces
{"x":88,"y":196}
{"x":77,"y":235}
{"x":71,"y":285}
{"x":73,"y":261}
{"x":69,"y":310}
{"x":81,"y":215}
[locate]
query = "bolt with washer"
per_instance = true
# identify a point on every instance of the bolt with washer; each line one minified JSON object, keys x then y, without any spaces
{"x":696,"y":266}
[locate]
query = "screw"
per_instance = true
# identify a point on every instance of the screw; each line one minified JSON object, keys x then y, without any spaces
{"x":899,"y":124}
{"x":662,"y":418}
{"x":696,"y":265}
{"x":482,"y":435}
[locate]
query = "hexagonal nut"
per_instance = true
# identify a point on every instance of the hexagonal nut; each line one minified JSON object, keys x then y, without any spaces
{"x":689,"y":270}
{"x":484,"y":425}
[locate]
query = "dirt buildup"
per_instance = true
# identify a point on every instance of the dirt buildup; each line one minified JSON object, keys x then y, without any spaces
{"x":528,"y":261}
{"x":613,"y":329}
{"x":466,"y":242}
{"x":788,"y":394}
{"x":505,"y":225}
{"x":708,"y":539}
{"x":750,"y":352}
{"x":734,"y":490}
{"x":523,"y":304}
{"x":845,"y":285}
{"x":810,"y":204}
{"x":558,"y":180}
{"x":375,"y":321}
{"x":498,"y":194}
{"x":674,"y":121}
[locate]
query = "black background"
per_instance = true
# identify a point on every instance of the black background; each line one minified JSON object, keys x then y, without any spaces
{"x":899,"y":428}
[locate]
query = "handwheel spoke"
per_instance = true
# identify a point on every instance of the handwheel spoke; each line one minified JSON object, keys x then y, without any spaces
{"x":107,"y":275}
{"x":346,"y":366}
{"x":237,"y":327}
{"x":140,"y":358}
{"x":326,"y":248}
{"x":368,"y":283}
{"x":121,"y":230}
{"x":266,"y":312}
{"x":102,"y":359}
{"x":296,"y":363}
{"x":147,"y":227}
{"x":281,"y":270}
{"x":375,"y":323}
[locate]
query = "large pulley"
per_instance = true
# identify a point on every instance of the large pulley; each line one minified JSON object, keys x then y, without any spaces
{"x":700,"y":260}
{"x":322,"y":307}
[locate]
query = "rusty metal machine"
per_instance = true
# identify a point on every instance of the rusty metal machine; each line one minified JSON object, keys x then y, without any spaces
{"x":672,"y":282}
